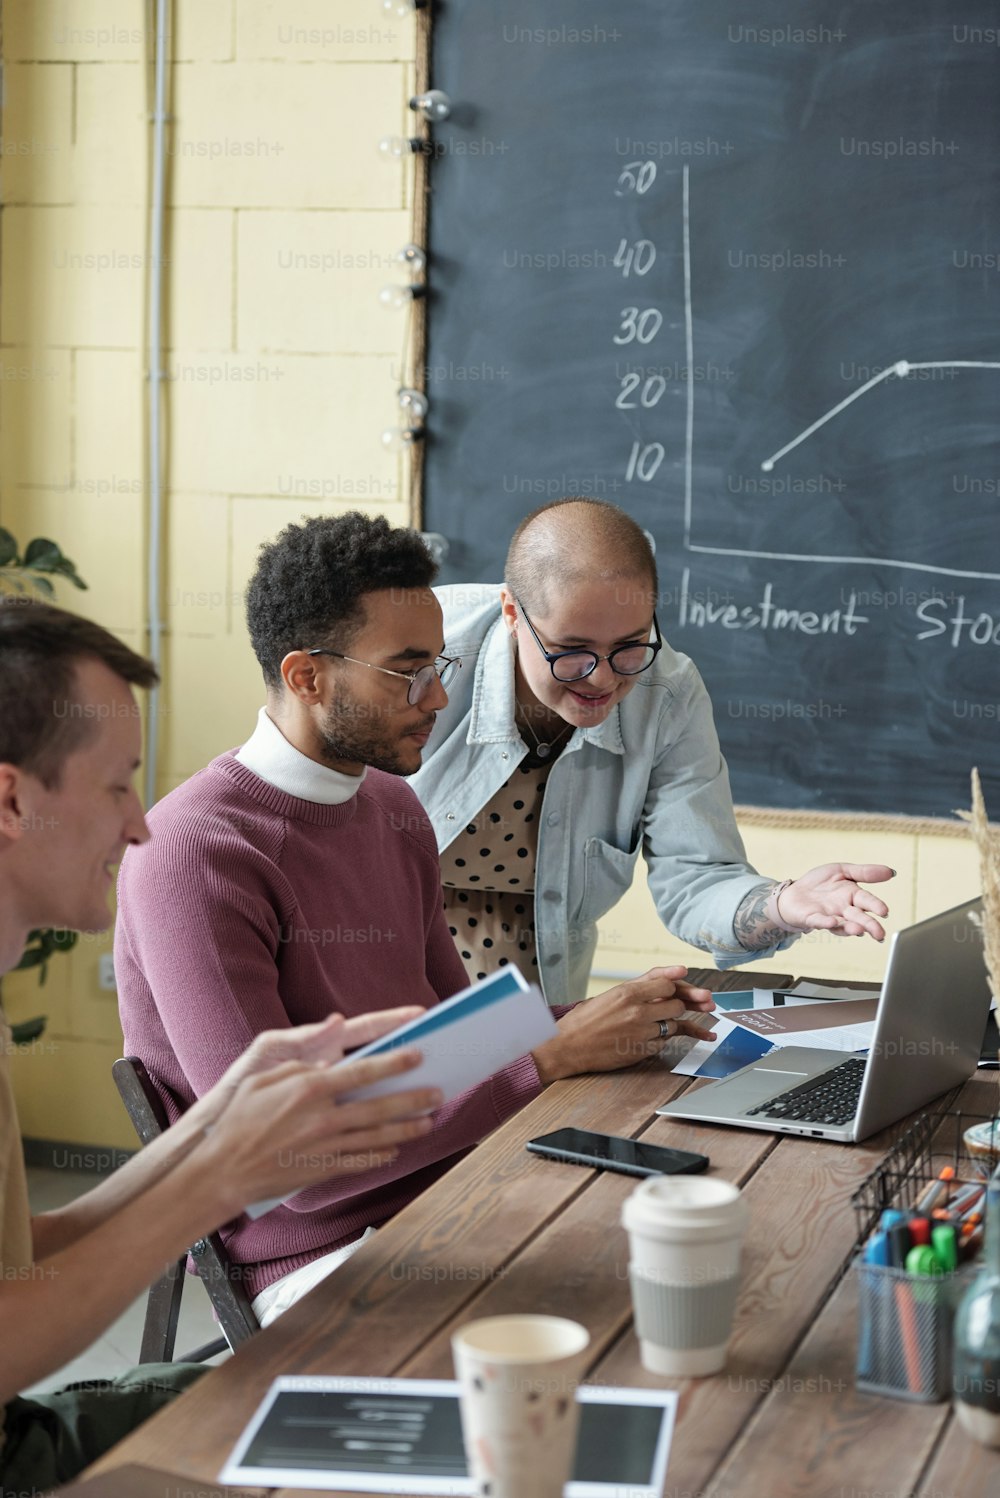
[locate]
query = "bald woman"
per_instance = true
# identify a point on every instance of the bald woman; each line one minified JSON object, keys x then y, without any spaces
{"x":574,"y":737}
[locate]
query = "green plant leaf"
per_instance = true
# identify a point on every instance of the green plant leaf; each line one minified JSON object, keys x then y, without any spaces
{"x":67,"y":569}
{"x":41,"y":946}
{"x":30,"y":957}
{"x":43,"y":558}
{"x":42,"y":555}
{"x":29,"y":1029}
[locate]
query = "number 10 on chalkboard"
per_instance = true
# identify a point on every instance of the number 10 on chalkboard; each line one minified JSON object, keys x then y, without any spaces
{"x":644,"y":460}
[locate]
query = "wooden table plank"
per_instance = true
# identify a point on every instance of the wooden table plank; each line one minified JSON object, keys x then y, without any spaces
{"x":800,"y":1230}
{"x":367,"y":1320}
{"x":734,"y":979}
{"x":589,"y":1244}
{"x":144,"y":1482}
{"x":844,"y":1441}
{"x":472,"y":1219}
{"x":961,"y":1468}
{"x":484,"y":1239}
{"x":815,"y":1436}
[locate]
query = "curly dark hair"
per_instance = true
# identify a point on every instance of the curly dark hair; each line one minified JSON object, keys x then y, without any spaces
{"x":309,"y":584}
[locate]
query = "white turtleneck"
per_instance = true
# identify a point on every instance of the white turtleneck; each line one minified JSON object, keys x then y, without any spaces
{"x":269,"y":754}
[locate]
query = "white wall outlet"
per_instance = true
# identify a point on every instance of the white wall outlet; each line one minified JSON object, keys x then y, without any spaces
{"x":106,"y":972}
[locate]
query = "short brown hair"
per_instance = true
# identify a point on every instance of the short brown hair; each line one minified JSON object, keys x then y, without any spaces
{"x":40,"y":647}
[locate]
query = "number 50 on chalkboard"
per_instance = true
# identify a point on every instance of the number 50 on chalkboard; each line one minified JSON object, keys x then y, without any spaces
{"x":637,"y":177}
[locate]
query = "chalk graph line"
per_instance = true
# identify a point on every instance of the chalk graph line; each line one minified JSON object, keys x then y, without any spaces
{"x":900,"y":369}
{"x":689,"y":355}
{"x":794,"y":556}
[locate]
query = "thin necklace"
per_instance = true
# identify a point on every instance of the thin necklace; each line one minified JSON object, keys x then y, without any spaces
{"x":543,"y":751}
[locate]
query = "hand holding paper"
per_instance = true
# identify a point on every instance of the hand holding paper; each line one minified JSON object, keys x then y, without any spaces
{"x":466,"y":1038}
{"x":461,"y":1041}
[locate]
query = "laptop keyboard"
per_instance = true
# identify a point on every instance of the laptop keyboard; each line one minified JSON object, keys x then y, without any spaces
{"x":829,"y":1099}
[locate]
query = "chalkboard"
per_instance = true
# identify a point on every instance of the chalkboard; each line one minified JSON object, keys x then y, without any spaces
{"x":737,"y":269}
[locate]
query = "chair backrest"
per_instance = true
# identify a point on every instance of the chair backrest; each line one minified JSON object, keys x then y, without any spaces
{"x":218,"y":1273}
{"x":142,"y":1101}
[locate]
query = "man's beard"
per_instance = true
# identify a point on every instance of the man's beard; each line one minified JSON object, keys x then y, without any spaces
{"x":351,"y":731}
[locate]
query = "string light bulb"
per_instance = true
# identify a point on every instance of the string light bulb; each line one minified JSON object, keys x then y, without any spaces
{"x":402,"y":8}
{"x":434,"y":105}
{"x":436,"y":544}
{"x":394,"y":147}
{"x":414,"y":403}
{"x":413,"y":258}
{"x":401,"y":439}
{"x":395,"y":298}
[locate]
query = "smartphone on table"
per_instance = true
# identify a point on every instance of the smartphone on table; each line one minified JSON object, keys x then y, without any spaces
{"x":633,"y":1157}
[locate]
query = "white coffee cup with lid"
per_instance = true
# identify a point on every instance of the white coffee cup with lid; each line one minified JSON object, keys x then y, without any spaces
{"x":685,"y":1240}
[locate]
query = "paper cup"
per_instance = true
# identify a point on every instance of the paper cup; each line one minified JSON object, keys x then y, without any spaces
{"x":518,"y":1378}
{"x":685,"y":1237}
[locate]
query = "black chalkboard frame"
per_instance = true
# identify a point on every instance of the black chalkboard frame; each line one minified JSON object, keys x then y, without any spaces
{"x":761,"y":791}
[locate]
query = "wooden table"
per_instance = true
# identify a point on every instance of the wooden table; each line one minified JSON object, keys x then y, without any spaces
{"x":504,"y":1231}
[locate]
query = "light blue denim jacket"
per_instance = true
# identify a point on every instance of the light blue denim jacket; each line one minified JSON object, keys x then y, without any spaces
{"x":650,"y":777}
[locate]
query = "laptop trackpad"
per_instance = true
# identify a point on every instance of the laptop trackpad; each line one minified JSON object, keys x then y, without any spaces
{"x":763,"y":1081}
{"x":758,"y":1085}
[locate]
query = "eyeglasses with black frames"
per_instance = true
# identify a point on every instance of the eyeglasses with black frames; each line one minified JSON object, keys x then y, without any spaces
{"x":421,"y":681}
{"x":574,"y":665}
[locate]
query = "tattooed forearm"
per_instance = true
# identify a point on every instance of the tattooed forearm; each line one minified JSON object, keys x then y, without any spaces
{"x":754,"y":923}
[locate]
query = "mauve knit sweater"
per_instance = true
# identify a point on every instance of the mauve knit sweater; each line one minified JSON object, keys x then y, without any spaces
{"x":251,"y":910}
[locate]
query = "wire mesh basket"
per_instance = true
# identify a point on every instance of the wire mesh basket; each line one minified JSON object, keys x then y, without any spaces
{"x":905,"y":1321}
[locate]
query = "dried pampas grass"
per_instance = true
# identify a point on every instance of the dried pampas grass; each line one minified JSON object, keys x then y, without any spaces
{"x":987,"y":840}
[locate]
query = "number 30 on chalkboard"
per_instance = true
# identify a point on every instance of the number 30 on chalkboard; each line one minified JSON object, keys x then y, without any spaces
{"x":642,"y":326}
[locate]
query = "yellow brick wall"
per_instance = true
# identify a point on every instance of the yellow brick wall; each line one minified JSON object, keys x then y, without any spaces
{"x":283,"y":369}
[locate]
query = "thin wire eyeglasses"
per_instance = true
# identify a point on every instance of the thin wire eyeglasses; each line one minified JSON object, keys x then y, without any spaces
{"x":421,"y":681}
{"x":624,"y":660}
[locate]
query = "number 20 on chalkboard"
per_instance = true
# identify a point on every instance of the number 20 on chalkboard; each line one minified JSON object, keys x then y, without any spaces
{"x":639,"y":325}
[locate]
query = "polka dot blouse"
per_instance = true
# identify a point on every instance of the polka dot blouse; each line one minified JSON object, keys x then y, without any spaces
{"x":488,"y":874}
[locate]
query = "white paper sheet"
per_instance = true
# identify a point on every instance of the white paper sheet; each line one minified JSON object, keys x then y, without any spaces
{"x":838,"y":1038}
{"x":737,"y":1045}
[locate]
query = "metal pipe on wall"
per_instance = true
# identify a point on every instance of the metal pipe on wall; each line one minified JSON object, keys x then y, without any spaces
{"x":155,"y":377}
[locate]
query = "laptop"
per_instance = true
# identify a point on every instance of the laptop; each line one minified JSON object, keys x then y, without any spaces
{"x":929,"y":1023}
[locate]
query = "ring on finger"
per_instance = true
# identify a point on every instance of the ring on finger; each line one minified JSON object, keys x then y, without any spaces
{"x":665,"y":1028}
